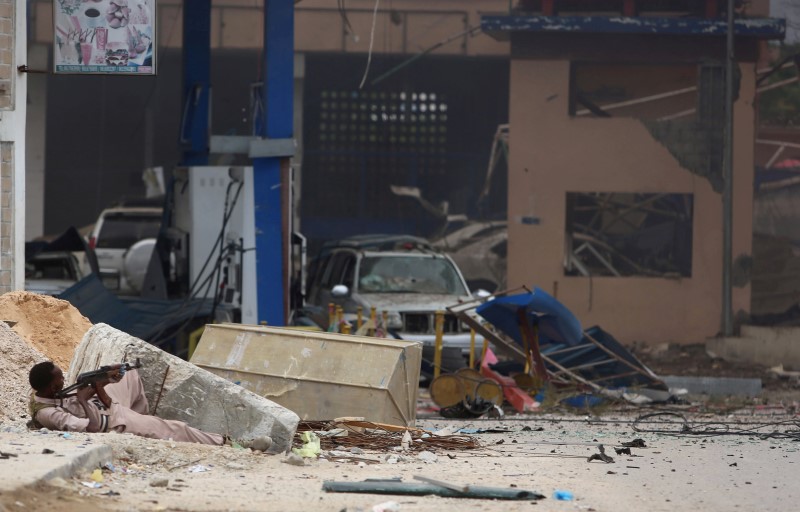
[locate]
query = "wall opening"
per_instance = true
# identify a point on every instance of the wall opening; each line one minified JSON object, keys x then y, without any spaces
{"x":649,"y":92}
{"x":628,"y":234}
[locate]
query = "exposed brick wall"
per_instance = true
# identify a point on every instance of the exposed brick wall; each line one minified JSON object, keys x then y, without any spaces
{"x":6,"y":54}
{"x":6,"y":216}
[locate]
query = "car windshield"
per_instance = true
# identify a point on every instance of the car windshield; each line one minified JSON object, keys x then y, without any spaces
{"x":50,"y":268}
{"x":409,"y":274}
{"x":122,"y":231}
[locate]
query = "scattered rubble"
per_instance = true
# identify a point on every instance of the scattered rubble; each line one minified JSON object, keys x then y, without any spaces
{"x":18,"y":358}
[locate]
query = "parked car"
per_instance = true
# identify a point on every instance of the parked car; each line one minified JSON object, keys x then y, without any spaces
{"x":50,"y":273}
{"x":123,"y":238}
{"x":404,"y":276}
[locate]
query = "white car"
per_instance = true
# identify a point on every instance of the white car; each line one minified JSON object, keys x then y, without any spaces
{"x":50,"y":273}
{"x":400,"y":275}
{"x":123,"y":239}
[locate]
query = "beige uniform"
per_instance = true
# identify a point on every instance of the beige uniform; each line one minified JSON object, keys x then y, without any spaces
{"x":128,"y":413}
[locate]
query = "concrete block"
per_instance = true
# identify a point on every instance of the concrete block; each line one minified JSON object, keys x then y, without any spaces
{"x":190,"y":394}
{"x":766,"y":346}
{"x":318,"y":375}
{"x":715,"y":386}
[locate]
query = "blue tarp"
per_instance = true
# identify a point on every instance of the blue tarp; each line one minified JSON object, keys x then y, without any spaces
{"x":152,"y":320}
{"x":559,"y":330}
{"x":556,"y":323}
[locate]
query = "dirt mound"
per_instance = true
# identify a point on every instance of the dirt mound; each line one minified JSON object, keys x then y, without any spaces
{"x":52,"y":326}
{"x":18,"y":358}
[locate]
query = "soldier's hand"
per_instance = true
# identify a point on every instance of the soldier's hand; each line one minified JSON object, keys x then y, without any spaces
{"x":85,"y":393}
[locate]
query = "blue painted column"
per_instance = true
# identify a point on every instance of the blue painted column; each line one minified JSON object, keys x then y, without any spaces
{"x":269,"y":172}
{"x":196,"y":82}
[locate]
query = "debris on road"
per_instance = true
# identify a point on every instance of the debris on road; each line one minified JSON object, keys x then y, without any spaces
{"x":601,"y":456}
{"x":394,"y":486}
{"x":311,"y":445}
{"x":378,"y":436}
{"x":548,"y":346}
{"x":636,"y":443}
{"x":561,"y":495}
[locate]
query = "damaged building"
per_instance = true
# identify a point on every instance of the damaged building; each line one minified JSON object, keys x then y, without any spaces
{"x":615,"y":159}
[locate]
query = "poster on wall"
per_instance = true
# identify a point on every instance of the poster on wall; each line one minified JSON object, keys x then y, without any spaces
{"x":104,"y":37}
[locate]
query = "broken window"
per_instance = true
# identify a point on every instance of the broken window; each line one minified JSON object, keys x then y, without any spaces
{"x":628,"y":234}
{"x":648,"y":92}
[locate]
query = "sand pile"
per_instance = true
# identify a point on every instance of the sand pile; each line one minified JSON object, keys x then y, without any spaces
{"x":52,"y":326}
{"x":17,"y":359}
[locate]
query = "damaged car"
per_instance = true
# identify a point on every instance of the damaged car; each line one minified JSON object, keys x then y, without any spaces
{"x":403,"y":276}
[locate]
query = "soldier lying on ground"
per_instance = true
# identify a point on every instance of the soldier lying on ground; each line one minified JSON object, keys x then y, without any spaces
{"x":115,"y":404}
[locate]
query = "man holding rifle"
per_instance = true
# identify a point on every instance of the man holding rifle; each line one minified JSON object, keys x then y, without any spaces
{"x":111,"y":402}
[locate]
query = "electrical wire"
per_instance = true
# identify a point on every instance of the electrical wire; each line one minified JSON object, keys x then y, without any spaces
{"x":208,"y":281}
{"x":683,"y":427}
{"x":371,"y":43}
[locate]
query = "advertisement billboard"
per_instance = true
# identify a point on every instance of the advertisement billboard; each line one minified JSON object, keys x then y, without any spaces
{"x":104,"y":37}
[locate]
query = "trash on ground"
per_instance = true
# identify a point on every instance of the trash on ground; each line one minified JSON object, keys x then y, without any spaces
{"x":393,"y":486}
{"x":636,"y":443}
{"x":601,"y":456}
{"x":311,"y":445}
{"x":379,"y":436}
{"x":561,"y":495}
{"x":387,"y":506}
{"x":199,"y":468}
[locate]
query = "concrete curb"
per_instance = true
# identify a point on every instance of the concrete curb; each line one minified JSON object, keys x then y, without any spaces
{"x":28,"y":464}
{"x":90,"y":459}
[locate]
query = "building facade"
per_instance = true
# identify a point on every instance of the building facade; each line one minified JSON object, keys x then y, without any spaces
{"x":615,"y":175}
{"x":12,"y":143}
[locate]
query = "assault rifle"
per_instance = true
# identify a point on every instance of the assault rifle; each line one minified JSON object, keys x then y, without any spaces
{"x":89,"y":378}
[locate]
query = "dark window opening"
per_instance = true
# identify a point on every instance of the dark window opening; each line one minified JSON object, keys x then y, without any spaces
{"x":627,"y":234}
{"x":646,"y":92}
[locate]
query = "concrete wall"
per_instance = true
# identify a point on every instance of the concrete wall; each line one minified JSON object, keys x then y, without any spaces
{"x":552,"y":154}
{"x":402,"y":26}
{"x":12,"y":143}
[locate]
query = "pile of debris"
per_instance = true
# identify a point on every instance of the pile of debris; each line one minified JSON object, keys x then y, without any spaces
{"x":52,"y":326}
{"x":43,"y":328}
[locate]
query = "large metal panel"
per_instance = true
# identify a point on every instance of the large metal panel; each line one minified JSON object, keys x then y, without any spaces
{"x":318,"y":375}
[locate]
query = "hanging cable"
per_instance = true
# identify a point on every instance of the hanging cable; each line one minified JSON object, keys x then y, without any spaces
{"x":371,"y":43}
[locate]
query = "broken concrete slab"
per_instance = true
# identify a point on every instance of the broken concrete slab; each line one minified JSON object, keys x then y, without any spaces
{"x":179,"y":390}
{"x":715,"y":386}
{"x":318,"y":375}
{"x":766,"y":346}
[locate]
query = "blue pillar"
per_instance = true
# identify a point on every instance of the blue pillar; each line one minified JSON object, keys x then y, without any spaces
{"x":269,"y":172}
{"x":196,"y":81}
